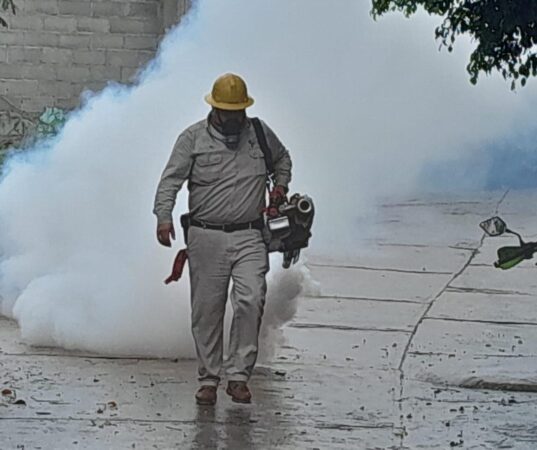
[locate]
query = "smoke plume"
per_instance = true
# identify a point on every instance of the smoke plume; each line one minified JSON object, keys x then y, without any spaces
{"x":367,"y":109}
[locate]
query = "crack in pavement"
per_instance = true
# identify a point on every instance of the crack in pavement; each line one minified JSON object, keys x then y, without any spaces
{"x":491,"y":385}
{"x":377,"y":269}
{"x":96,"y":357}
{"x":471,"y":402}
{"x":520,"y":268}
{"x":128,"y":420}
{"x":500,"y":355}
{"x":365,"y":299}
{"x":94,"y":421}
{"x":431,"y":354}
{"x":436,"y":297}
{"x":347,"y":427}
{"x":430,"y":245}
{"x":476,"y":355}
{"x":469,"y":290}
{"x":418,"y":203}
{"x":395,"y":244}
{"x":473,"y":254}
{"x":98,"y":419}
{"x":492,"y":322}
{"x":290,"y":364}
{"x":461,"y":247}
{"x":346,"y":327}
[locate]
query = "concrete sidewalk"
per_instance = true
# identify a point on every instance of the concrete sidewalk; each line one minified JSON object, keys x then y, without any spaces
{"x":414,"y":342}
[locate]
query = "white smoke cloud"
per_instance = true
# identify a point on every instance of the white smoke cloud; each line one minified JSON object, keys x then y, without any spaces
{"x":361,"y":105}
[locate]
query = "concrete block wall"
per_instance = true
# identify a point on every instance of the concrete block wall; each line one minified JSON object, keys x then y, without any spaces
{"x":55,"y":49}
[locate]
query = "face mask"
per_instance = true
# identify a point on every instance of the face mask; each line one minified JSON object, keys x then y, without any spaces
{"x":231,"y":126}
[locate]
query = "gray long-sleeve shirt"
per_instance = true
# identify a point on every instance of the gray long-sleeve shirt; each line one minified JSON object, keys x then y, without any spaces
{"x":225,"y":185}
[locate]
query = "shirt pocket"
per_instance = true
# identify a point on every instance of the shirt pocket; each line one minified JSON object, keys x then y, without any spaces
{"x":207,"y":168}
{"x":256,"y":161}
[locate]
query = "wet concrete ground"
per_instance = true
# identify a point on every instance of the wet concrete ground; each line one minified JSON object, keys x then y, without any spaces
{"x":415,"y":342}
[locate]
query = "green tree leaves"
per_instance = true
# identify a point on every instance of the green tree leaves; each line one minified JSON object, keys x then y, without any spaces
{"x":505,"y":32}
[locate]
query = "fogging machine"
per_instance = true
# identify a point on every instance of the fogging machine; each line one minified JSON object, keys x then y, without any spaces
{"x":289,"y":230}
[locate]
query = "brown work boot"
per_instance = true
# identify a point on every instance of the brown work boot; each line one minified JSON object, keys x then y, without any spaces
{"x":239,"y":392}
{"x":206,"y":395}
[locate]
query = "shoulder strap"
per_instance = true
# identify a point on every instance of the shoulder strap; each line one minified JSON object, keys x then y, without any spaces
{"x":262,"y":139}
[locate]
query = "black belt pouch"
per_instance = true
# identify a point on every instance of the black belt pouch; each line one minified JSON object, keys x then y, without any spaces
{"x":185,"y":224}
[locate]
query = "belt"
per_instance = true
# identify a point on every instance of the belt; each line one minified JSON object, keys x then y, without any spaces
{"x":257,"y":224}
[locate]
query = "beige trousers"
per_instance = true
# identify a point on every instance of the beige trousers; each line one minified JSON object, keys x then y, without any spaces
{"x":215,"y":258}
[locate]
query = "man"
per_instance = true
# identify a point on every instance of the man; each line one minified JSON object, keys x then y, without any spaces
{"x":223,"y":162}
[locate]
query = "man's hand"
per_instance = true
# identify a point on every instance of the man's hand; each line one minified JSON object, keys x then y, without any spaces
{"x":164,"y":232}
{"x":277,"y":195}
{"x":276,"y":198}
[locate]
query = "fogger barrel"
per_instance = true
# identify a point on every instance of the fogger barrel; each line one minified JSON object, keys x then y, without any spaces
{"x":305,"y":205}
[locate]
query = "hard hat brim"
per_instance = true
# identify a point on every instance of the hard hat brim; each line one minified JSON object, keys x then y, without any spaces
{"x":229,"y":106}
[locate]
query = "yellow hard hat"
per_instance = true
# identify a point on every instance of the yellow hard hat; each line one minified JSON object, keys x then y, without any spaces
{"x":229,"y":93}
